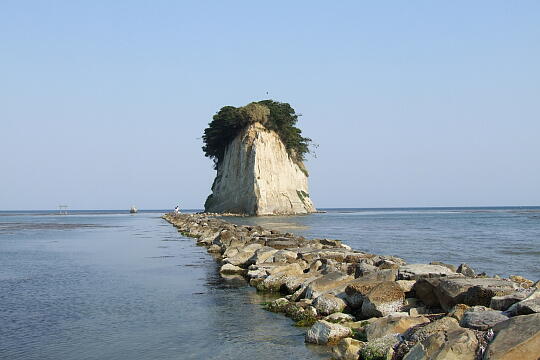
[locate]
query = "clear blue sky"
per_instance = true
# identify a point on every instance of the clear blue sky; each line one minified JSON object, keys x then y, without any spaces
{"x":413,"y":103}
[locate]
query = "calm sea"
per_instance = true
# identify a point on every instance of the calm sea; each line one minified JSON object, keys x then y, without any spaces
{"x":110,"y":285}
{"x":497,"y":240}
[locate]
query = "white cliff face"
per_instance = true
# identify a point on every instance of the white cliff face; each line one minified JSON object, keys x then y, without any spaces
{"x":258,"y":177}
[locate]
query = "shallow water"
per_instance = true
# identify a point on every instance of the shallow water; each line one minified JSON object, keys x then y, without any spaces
{"x":107,"y":285}
{"x":119,"y":286}
{"x":503,"y":241}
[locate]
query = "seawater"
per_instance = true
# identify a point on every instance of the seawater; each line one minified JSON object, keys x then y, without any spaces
{"x":500,"y":241}
{"x":108,"y":285}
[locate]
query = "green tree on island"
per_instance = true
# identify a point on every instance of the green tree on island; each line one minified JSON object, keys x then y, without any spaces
{"x":274,"y":115}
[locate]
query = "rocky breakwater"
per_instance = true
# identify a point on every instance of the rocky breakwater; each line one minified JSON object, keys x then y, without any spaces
{"x":370,"y":306}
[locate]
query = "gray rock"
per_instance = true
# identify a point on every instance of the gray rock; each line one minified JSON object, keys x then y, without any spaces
{"x":364,"y":269}
{"x":449,"y":266}
{"x":466,"y":270}
{"x":406,"y":285}
{"x":262,"y":254}
{"x":347,"y":349}
{"x":329,"y":283}
{"x":530,"y":305}
{"x":282,"y":243}
{"x":277,"y":280}
{"x":229,"y":269}
{"x":243,"y":256}
{"x":444,"y":325}
{"x":385,"y":298}
{"x":327,"y":304}
{"x":458,"y":311}
{"x":503,"y":302}
{"x":392,"y":324}
{"x":214,"y":249}
{"x":284,"y":256}
{"x":315,"y":266}
{"x":339,"y":318}
{"x":448,"y":292}
{"x":455,"y":344}
{"x":379,"y":275}
{"x":482,"y":320}
{"x":381,"y":348}
{"x":420,"y":271}
{"x":208,"y":237}
{"x":323,"y":332}
{"x":517,"y":338}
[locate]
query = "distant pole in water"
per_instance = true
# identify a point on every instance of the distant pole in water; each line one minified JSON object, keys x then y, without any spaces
{"x":62,"y":209}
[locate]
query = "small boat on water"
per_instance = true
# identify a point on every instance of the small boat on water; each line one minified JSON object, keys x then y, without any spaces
{"x":133,"y":210}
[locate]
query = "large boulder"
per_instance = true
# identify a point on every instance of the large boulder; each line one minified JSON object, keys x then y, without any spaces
{"x":337,"y":254}
{"x":277,"y":280}
{"x":517,"y":338}
{"x":447,"y":292}
{"x":347,"y":349}
{"x":385,"y":298}
{"x":381,"y":348}
{"x":443,"y":325}
{"x":327,"y":304}
{"x":262,"y":255}
{"x":392,"y":324}
{"x":284,"y":256}
{"x":364,"y":268}
{"x":529,"y":305}
{"x":243,"y":256}
{"x":294,"y":283}
{"x":456,"y":344}
{"x":421,"y":271}
{"x":503,"y":302}
{"x":466,"y":270}
{"x":356,"y":292}
{"x":339,"y":318}
{"x":282,"y":243}
{"x":323,"y":332}
{"x":458,"y":311}
{"x":230,"y":269}
{"x":208,"y":237}
{"x":482,"y":319}
{"x":329,"y":283}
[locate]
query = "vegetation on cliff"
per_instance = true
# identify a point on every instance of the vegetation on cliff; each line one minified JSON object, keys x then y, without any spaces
{"x":277,"y":116}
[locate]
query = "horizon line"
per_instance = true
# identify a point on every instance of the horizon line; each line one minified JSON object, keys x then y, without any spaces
{"x":319,"y":208}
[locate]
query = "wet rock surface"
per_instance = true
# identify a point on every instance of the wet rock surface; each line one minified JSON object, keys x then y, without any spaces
{"x":372,"y":306}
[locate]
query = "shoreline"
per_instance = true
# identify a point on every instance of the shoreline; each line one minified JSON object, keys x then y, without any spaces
{"x":354,"y":299}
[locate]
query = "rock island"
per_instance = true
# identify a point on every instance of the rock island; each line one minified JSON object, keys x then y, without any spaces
{"x":258,"y":153}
